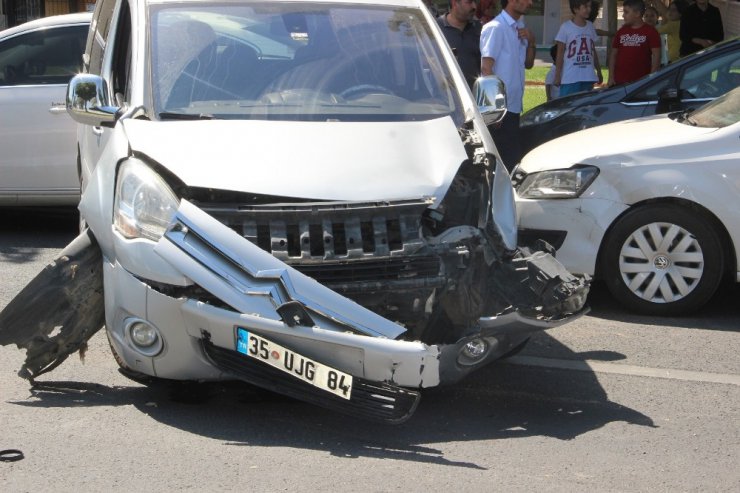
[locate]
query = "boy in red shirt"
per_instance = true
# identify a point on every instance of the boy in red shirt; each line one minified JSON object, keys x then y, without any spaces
{"x":635,"y":47}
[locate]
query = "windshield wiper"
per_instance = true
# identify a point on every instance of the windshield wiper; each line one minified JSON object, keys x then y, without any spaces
{"x":185,"y":116}
{"x":685,"y":116}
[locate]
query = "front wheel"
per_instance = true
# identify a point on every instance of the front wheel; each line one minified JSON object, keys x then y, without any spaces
{"x":662,"y":260}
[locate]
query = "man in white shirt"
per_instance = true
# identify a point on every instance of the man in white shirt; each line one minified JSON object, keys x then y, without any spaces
{"x":507,"y":48}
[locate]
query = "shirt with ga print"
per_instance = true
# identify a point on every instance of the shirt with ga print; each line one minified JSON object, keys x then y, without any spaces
{"x":578,"y":57}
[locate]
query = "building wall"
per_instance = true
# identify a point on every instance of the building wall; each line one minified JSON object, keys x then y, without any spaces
{"x":730,"y":10}
{"x":56,"y":7}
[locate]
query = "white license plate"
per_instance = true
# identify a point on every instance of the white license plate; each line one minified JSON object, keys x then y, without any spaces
{"x":301,"y":367}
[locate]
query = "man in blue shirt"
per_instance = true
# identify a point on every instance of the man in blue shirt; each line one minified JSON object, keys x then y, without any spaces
{"x":507,"y":48}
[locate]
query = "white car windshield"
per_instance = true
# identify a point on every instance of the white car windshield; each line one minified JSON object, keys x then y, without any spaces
{"x":292,"y":61}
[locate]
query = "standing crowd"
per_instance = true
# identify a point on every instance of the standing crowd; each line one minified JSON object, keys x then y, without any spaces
{"x":486,"y":44}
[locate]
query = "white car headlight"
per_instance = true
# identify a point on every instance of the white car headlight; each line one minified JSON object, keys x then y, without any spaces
{"x":558,"y":183}
{"x":144,"y":203}
{"x":537,"y":116}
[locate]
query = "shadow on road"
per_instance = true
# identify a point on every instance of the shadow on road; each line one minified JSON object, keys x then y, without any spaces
{"x":26,"y":230}
{"x":499,"y":402}
{"x":721,"y":313}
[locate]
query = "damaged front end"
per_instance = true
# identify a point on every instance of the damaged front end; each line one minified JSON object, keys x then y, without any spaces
{"x":354,"y":306}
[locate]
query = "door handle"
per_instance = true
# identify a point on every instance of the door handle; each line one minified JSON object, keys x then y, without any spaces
{"x":57,"y":108}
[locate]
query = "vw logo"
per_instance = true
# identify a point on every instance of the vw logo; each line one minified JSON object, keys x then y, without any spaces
{"x":661,"y":262}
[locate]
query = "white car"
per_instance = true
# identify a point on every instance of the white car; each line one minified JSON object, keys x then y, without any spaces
{"x":299,"y":194}
{"x":649,"y":205}
{"x":38,"y":157}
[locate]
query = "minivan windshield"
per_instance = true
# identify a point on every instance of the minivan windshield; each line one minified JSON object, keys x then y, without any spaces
{"x":297,"y":61}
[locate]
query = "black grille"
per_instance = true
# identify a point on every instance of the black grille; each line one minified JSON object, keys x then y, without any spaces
{"x":327,"y":231}
{"x":517,"y":177}
{"x":392,"y":269}
{"x":370,"y":400}
{"x":529,"y":237}
{"x":345,"y":246}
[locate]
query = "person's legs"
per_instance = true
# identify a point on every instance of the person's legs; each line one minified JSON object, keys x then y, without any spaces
{"x":507,"y":138}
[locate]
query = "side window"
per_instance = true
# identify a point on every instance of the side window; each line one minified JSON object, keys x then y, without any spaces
{"x":98,"y":37}
{"x":712,"y":78}
{"x":650,"y":92}
{"x":48,"y":56}
{"x":121,"y":61}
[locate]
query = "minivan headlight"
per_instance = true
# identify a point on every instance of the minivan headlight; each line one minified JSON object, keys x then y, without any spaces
{"x":144,"y":203}
{"x":558,"y":183}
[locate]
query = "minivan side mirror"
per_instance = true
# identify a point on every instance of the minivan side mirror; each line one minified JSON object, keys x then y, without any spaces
{"x":88,"y":102}
{"x":490,"y":96}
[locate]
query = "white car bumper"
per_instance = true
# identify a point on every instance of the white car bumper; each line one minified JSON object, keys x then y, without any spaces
{"x":578,"y":226}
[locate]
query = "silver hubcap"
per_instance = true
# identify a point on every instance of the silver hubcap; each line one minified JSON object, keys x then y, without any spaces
{"x":661,"y":262}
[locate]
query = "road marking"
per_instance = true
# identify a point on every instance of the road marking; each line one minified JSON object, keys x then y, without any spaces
{"x":619,"y":369}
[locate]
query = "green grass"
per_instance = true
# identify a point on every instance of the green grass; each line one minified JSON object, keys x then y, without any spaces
{"x":537,"y":73}
{"x":534,"y":94}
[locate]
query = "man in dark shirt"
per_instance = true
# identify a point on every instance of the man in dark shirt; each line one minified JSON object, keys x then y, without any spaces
{"x":462,"y":31}
{"x":701,"y":27}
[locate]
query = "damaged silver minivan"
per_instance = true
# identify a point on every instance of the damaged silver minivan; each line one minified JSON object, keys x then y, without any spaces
{"x":301,"y":195}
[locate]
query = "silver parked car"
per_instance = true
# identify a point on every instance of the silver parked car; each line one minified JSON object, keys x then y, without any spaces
{"x":301,"y":195}
{"x":37,"y":136}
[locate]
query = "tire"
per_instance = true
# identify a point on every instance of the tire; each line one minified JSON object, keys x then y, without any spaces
{"x":650,"y":276}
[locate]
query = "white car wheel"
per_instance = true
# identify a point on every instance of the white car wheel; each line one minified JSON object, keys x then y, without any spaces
{"x":662,"y":260}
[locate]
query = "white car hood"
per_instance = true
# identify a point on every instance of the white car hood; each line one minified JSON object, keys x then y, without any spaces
{"x":627,"y":143}
{"x":352,"y":161}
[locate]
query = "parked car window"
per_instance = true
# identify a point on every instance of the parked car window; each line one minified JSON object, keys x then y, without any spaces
{"x":50,"y":56}
{"x":652,"y":91}
{"x":298,"y":62}
{"x":713,"y":78}
{"x":706,"y":80}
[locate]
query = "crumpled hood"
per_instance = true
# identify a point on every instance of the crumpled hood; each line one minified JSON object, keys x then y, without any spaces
{"x":353,"y":161}
{"x":628,"y":143}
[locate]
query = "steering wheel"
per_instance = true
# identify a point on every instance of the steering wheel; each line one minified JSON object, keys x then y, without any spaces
{"x":361,"y":89}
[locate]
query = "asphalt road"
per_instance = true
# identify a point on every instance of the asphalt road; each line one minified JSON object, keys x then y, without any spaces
{"x":611,"y":402}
